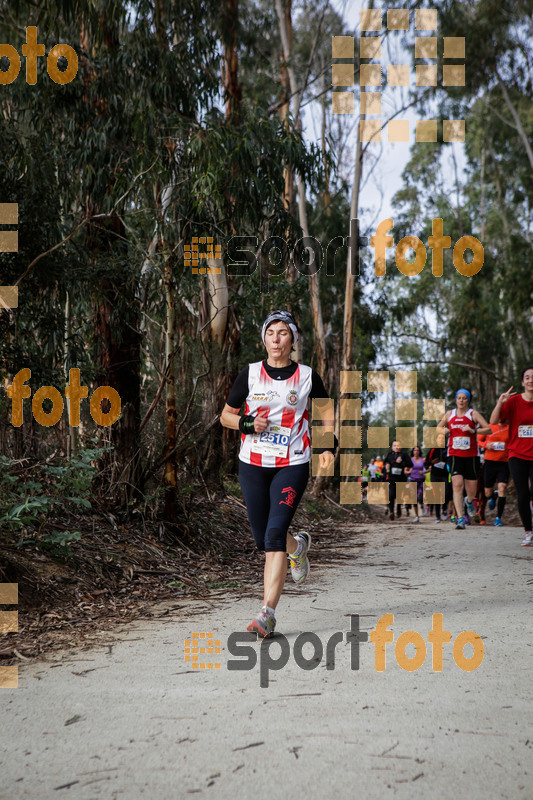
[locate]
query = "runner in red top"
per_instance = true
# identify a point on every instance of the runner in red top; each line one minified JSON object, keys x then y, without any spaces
{"x":274,"y":455}
{"x":463,"y":452}
{"x":517,"y":410}
{"x":495,"y":467}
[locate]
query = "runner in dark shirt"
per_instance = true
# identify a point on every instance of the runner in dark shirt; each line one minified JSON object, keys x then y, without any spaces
{"x":398,"y":466}
{"x":436,"y":461}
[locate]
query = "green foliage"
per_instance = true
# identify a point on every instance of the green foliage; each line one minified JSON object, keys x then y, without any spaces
{"x":144,"y":120}
{"x":28,"y":505}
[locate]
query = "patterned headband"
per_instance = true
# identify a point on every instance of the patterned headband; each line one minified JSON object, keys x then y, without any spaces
{"x":280,"y":316}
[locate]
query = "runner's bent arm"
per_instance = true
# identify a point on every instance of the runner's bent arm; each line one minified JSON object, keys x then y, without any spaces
{"x":444,"y":422}
{"x":495,"y":416}
{"x":230,"y":418}
{"x":480,"y":419}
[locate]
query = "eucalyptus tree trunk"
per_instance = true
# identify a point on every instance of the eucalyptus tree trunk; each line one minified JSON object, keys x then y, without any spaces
{"x":324,"y":102}
{"x":314,"y":289}
{"x":218,"y":301}
{"x":347,"y":339}
{"x":71,"y":432}
{"x":219,"y":330}
{"x":170,"y":475}
{"x":288,"y":172}
{"x":115,"y":315}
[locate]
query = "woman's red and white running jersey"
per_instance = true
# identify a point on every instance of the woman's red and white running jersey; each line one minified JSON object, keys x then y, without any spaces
{"x":286,"y":440}
{"x":461,"y":442}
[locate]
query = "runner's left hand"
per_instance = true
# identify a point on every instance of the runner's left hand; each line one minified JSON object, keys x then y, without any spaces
{"x":325,"y":459}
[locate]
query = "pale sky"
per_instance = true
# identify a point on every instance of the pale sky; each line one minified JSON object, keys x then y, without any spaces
{"x":385,"y":181}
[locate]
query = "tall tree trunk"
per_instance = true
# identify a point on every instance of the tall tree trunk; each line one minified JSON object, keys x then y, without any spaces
{"x":170,"y":476}
{"x":219,"y":329}
{"x":314,"y":289}
{"x":71,"y":432}
{"x":324,"y":102}
{"x":288,"y":172}
{"x":115,"y":314}
{"x":232,"y":87}
{"x":347,"y":341}
{"x":218,"y":300}
{"x":116,"y":326}
{"x":288,"y":193}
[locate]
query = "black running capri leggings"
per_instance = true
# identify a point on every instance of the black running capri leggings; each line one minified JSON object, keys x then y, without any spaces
{"x":272,"y":495}
{"x":522,"y":472}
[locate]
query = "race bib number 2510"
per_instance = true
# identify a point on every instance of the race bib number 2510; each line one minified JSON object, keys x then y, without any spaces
{"x":272,"y":442}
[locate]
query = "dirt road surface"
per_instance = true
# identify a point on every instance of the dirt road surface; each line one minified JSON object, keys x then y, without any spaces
{"x":130,"y":718}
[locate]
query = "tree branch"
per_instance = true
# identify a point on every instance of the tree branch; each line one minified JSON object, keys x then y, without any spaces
{"x":451,"y":363}
{"x":518,"y":123}
{"x":84,"y":221}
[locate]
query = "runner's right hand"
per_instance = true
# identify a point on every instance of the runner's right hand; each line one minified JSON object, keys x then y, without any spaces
{"x":261,"y":422}
{"x":505,"y":396}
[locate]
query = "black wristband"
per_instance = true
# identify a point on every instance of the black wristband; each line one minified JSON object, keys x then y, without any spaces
{"x":246,"y":423}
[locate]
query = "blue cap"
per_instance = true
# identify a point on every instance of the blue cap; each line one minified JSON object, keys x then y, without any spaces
{"x":463,"y":391}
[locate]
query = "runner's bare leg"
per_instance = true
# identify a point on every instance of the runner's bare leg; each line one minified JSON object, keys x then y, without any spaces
{"x":276,"y":572}
{"x":458,"y":483}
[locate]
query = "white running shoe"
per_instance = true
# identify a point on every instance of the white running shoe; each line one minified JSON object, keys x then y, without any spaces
{"x":300,"y":563}
{"x":438,"y":519}
{"x":527,"y":541}
{"x":416,"y":519}
{"x":264,"y":624}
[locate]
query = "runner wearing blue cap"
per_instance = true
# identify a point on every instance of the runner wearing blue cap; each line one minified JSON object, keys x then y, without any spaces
{"x":463,"y":451}
{"x":274,"y":455}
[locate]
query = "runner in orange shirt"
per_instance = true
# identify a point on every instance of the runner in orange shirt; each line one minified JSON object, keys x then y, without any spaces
{"x":496,"y":467}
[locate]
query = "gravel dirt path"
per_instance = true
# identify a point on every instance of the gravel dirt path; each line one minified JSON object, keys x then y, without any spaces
{"x":130,"y":718}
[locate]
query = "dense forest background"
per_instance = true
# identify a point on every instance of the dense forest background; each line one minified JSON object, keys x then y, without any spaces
{"x":186,"y":119}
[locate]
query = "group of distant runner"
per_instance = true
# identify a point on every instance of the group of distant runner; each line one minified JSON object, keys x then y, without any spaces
{"x":475,"y":466}
{"x":276,"y":449}
{"x":432,"y":469}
